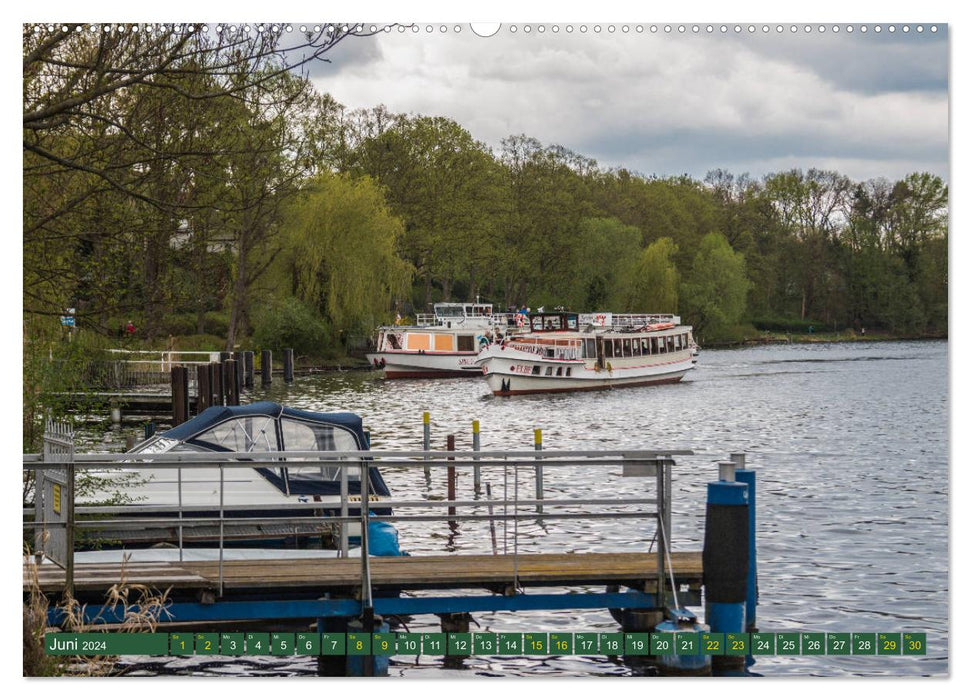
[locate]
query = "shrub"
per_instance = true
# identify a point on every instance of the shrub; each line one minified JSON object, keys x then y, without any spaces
{"x":289,"y":323}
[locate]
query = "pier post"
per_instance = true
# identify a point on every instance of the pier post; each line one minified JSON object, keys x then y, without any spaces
{"x":426,"y":441}
{"x":450,"y":446}
{"x":725,"y":559}
{"x":115,"y":411}
{"x":180,"y":395}
{"x":203,"y":389}
{"x":232,"y":389}
{"x":266,"y":367}
{"x":747,"y":477}
{"x":288,"y":364}
{"x":240,"y":359}
{"x":223,"y":383}
{"x":476,"y":469}
{"x":538,"y":443}
{"x":223,"y":356}
{"x":455,"y":623}
{"x":248,"y":368}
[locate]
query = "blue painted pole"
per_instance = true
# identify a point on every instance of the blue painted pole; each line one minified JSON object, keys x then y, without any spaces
{"x":726,"y":559}
{"x":747,"y":477}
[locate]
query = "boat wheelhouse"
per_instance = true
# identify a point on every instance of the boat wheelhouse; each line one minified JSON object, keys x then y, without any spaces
{"x":260,"y":493}
{"x":578,"y":352}
{"x":443,"y":344}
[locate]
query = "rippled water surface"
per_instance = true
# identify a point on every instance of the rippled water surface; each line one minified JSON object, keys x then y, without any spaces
{"x":850,"y":443}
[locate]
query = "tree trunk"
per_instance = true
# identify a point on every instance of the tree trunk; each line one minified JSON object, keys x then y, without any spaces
{"x":239,"y":296}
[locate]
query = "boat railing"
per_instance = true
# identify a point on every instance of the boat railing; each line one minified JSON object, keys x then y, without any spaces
{"x":515,"y":474}
{"x":560,"y":350}
{"x":627,"y":321}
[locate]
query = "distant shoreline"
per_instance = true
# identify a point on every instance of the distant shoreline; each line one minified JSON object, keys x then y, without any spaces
{"x":776,"y":338}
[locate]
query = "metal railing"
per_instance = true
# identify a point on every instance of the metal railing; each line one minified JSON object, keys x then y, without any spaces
{"x":510,"y":508}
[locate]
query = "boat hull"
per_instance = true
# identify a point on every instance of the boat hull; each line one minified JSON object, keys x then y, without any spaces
{"x":426,"y":365}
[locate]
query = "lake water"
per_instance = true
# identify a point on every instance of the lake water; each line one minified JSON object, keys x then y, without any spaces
{"x":850,"y":442}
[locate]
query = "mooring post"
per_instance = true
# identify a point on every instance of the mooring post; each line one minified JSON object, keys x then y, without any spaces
{"x":232,"y":389}
{"x":249,"y":368}
{"x":747,"y":477}
{"x":454,"y":623}
{"x":725,"y":559}
{"x":180,"y":395}
{"x":427,"y":441}
{"x":450,"y":446}
{"x":240,"y":358}
{"x":266,"y":367}
{"x":223,"y":356}
{"x":288,"y":364}
{"x":476,"y":469}
{"x":203,"y":389}
{"x":115,"y":410}
{"x":223,"y":383}
{"x":538,"y":442}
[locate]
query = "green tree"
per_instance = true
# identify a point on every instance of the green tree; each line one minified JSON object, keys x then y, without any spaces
{"x":339,"y":252}
{"x":715,"y":288}
{"x":654,"y":288}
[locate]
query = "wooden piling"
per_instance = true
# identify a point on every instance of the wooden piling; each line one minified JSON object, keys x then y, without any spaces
{"x":180,"y":395}
{"x":288,"y":364}
{"x":231,"y":388}
{"x":266,"y":367}
{"x":538,"y":443}
{"x":218,"y":385}
{"x":240,"y":359}
{"x":203,"y":388}
{"x":450,"y":446}
{"x":223,"y":384}
{"x":248,"y":369}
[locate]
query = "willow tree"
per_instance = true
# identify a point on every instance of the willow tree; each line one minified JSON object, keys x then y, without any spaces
{"x":340,"y":252}
{"x":654,"y":288}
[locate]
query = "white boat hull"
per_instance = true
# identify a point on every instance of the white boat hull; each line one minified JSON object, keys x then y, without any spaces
{"x":511,"y":372}
{"x":422,"y":365}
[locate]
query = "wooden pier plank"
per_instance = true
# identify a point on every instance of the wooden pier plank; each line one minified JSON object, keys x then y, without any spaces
{"x":468,"y":571}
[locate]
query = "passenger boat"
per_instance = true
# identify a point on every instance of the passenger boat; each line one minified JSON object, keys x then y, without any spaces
{"x":577,"y":352}
{"x":264,"y":492}
{"x":443,"y":344}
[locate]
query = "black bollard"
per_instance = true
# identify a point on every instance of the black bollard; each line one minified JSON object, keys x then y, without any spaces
{"x":232,"y":388}
{"x":288,"y":364}
{"x":219,"y":383}
{"x":266,"y":368}
{"x":240,"y":358}
{"x":203,"y":388}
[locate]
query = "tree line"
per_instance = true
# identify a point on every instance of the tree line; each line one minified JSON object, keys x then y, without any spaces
{"x":196,"y":182}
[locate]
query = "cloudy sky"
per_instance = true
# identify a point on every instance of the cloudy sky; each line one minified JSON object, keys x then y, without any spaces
{"x":867,"y":104}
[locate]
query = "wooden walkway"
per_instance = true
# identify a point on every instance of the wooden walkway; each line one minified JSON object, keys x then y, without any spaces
{"x":283,"y":577}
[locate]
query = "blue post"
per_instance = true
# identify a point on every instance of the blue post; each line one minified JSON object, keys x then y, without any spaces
{"x":726,"y":558}
{"x":747,"y":477}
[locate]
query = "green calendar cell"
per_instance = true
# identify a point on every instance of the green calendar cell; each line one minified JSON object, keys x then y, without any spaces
{"x":409,"y":643}
{"x":561,"y":643}
{"x":838,"y":643}
{"x":914,"y":643}
{"x":257,"y":643}
{"x":813,"y":643}
{"x":888,"y":643}
{"x":307,"y":644}
{"x":687,"y":643}
{"x":459,"y":644}
{"x":662,"y":643}
{"x":358,"y":644}
{"x":762,"y":643}
{"x":586,"y":643}
{"x":333,"y":644}
{"x":231,"y":644}
{"x":384,"y":644}
{"x":864,"y":644}
{"x":485,"y":643}
{"x":205,"y":643}
{"x":611,"y":643}
{"x":180,"y":644}
{"x":637,"y":644}
{"x":787,"y":643}
{"x":536,"y":643}
{"x":281,"y":643}
{"x":712,"y":643}
{"x":737,"y":643}
{"x":510,"y":643}
{"x":433,"y":643}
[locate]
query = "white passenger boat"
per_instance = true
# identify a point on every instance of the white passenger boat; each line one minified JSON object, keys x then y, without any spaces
{"x":443,"y":344}
{"x":574,"y":352}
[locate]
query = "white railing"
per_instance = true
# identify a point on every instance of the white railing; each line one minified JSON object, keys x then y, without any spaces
{"x":562,"y":350}
{"x":165,"y":360}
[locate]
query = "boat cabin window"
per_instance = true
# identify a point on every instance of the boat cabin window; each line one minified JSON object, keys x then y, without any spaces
{"x":645,"y":346}
{"x":535,"y":369}
{"x":466,"y":343}
{"x":670,"y":340}
{"x":590,"y":348}
{"x":303,"y":436}
{"x":656,"y":347}
{"x":418,"y":341}
{"x":608,"y":348}
{"x":618,"y":348}
{"x":549,"y":371}
{"x":559,"y":371}
{"x":627,"y":348}
{"x":242,"y":434}
{"x":636,"y":347}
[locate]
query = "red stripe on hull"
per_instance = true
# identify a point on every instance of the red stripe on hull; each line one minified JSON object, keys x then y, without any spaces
{"x":429,"y":374}
{"x":602,"y":387}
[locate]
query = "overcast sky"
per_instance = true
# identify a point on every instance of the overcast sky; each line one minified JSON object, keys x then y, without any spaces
{"x":868,"y":105}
